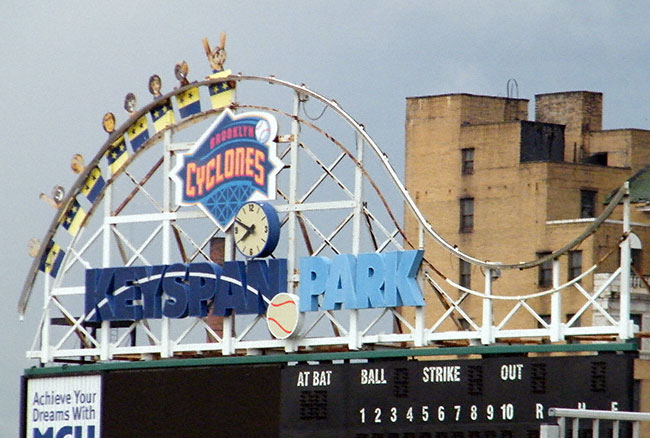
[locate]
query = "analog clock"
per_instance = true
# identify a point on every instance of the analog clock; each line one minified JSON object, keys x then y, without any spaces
{"x":256,"y":229}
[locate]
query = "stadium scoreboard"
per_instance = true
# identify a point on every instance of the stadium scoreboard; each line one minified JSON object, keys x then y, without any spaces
{"x":492,"y":397}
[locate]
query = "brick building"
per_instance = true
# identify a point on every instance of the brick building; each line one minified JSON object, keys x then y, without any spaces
{"x":505,"y":188}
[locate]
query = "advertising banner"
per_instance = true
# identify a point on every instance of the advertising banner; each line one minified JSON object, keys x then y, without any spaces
{"x":62,"y":407}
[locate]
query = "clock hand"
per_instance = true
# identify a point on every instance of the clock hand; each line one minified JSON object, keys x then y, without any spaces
{"x":244,"y":236}
{"x":249,"y":229}
{"x":243,"y":225}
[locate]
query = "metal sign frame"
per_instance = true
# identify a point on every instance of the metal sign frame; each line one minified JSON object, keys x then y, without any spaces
{"x":337,"y":193}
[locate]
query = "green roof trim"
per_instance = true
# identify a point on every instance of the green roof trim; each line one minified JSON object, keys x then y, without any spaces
{"x":639,"y":187}
{"x":347,"y":355}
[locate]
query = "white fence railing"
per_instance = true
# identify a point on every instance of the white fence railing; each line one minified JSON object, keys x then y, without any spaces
{"x":575,"y":415}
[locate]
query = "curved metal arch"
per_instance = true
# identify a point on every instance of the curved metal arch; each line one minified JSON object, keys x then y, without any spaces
{"x":411,"y":203}
{"x":75,"y":190}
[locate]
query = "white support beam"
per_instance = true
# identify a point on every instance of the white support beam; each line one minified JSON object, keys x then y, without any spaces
{"x":420,"y":322}
{"x":556,"y":305}
{"x":625,"y":323}
{"x":165,"y":338}
{"x":318,"y":206}
{"x":293,"y":190}
{"x":156,"y":217}
{"x":104,"y":338}
{"x":487,"y":336}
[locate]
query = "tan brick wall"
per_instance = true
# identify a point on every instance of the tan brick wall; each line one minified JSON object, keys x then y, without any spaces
{"x":565,"y":180}
{"x":477,"y":110}
{"x":580,"y":111}
{"x":640,"y":148}
{"x":513,"y":200}
{"x":625,"y":147}
{"x":617,"y":144}
{"x":433,"y":128}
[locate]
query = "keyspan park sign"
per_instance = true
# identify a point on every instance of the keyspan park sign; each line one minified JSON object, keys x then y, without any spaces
{"x":183,"y":290}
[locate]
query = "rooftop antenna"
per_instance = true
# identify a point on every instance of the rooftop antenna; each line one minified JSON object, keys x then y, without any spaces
{"x":512,"y":86}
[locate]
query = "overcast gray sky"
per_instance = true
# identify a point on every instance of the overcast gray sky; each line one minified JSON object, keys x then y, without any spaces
{"x":65,"y":63}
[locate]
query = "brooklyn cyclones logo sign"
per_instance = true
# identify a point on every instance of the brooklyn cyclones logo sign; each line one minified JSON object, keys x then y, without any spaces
{"x":233,"y":162}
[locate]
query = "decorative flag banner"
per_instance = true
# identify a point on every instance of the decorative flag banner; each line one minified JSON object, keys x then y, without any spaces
{"x":94,"y":185}
{"x":188,"y":102}
{"x":52,"y":258}
{"x":162,"y":115}
{"x":117,"y":155}
{"x":138,"y":133}
{"x":221,"y":94}
{"x":233,"y":162}
{"x":74,"y":218}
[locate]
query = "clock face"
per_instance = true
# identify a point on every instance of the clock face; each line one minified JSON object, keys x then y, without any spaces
{"x":256,"y":229}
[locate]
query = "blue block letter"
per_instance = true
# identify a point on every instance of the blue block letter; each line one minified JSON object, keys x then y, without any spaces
{"x":313,"y":278}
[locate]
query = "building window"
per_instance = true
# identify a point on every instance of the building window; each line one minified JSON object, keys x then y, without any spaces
{"x":547,"y":320}
{"x":465,"y":276}
{"x":466,"y":215}
{"x":635,"y":253}
{"x":576,"y":323}
{"x":575,"y":264}
{"x":545,"y":273}
{"x":587,"y":203}
{"x":467,"y":160}
{"x":637,"y":319}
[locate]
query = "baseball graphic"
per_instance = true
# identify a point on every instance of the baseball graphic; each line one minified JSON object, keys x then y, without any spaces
{"x":282,"y":315}
{"x":263,"y":131}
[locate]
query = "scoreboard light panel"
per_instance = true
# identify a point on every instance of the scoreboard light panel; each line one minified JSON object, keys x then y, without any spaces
{"x":491,"y":397}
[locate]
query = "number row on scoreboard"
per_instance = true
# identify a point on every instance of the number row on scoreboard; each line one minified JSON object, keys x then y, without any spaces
{"x":426,"y":414}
